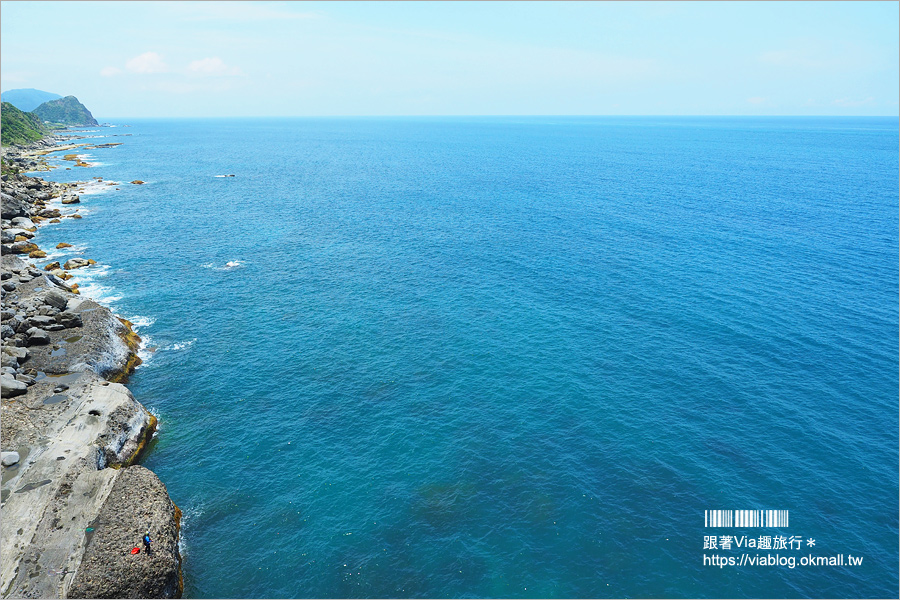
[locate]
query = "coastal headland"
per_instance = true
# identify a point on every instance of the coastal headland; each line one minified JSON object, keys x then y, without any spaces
{"x":75,"y":504}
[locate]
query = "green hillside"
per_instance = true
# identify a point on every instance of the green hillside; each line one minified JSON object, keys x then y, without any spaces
{"x":68,"y":111}
{"x":19,"y":127}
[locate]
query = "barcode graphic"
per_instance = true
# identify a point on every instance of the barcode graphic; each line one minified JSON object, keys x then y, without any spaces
{"x":745,"y":518}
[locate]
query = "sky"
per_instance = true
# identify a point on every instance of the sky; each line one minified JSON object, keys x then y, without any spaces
{"x":267,"y":59}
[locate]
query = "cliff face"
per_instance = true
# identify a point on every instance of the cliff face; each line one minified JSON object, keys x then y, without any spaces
{"x":68,"y":111}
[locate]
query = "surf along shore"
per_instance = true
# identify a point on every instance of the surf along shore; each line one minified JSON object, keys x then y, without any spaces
{"x":75,"y":503}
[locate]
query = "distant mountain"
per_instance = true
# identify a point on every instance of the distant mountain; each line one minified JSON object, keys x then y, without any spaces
{"x":68,"y":111}
{"x":29,"y":99}
{"x":19,"y":127}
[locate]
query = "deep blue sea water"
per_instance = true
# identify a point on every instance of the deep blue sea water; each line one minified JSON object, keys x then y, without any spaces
{"x":513,"y":357}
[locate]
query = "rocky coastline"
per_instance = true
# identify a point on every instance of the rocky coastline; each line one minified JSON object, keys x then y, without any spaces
{"x":74,"y":501}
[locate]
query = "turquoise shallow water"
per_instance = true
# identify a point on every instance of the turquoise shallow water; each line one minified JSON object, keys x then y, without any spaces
{"x":510,"y":357}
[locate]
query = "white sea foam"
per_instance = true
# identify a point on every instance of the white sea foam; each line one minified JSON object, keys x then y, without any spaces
{"x":100,"y":294}
{"x":97,"y":187}
{"x":179,"y":345}
{"x":141,"y":321}
{"x":231,"y":264}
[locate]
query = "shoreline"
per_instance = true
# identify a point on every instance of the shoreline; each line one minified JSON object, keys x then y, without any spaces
{"x":74,"y":500}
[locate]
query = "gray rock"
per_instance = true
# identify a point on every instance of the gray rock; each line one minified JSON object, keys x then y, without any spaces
{"x":8,"y":459}
{"x":41,"y":321}
{"x":69,"y":319}
{"x":71,"y":200}
{"x":37,"y":337}
{"x":21,"y":247}
{"x":74,"y":263}
{"x":6,"y":331}
{"x":7,"y":236}
{"x":26,"y":379}
{"x":8,"y":286}
{"x":9,"y":361}
{"x":20,"y":354}
{"x":50,"y":213}
{"x":14,"y":207}
{"x":55,"y":299}
{"x":18,"y":231}
{"x":54,"y":327}
{"x":9,"y":387}
{"x":23,"y":223}
{"x":137,"y":500}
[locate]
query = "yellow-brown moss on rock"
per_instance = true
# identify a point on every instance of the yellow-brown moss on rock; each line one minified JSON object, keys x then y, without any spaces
{"x":133,"y":343}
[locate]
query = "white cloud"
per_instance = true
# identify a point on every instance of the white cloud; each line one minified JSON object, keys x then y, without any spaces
{"x":110,"y":71}
{"x":848,"y":103}
{"x":148,"y":62}
{"x":212,"y":66}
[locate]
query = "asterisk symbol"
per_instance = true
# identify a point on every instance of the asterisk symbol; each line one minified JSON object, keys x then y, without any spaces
{"x":811,"y":542}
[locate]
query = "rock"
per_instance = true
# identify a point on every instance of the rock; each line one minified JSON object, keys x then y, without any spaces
{"x":60,"y":388}
{"x":20,"y":233}
{"x":7,"y":236}
{"x":13,"y":207}
{"x":76,"y":263}
{"x":8,"y":459}
{"x":71,"y":200}
{"x":20,"y":354}
{"x":137,"y":182}
{"x":9,"y":362}
{"x":138,"y":499}
{"x":52,"y":266}
{"x":9,"y":387}
{"x":23,"y":247}
{"x":55,"y":221}
{"x":37,"y":337}
{"x":26,"y":379}
{"x":23,"y":223}
{"x":75,"y":216}
{"x":50,"y":213}
{"x":62,"y":245}
{"x":40,"y":321}
{"x":69,"y":320}
{"x":8,"y":286}
{"x":37,"y":254}
{"x":6,"y":331}
{"x":55,"y":299}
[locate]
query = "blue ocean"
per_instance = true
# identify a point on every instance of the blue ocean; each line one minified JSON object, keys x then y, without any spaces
{"x":510,"y":357}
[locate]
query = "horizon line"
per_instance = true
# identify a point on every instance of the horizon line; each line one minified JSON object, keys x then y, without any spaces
{"x":484,"y":116}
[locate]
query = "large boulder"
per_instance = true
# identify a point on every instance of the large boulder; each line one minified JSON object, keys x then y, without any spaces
{"x":23,"y":247}
{"x":138,"y":501}
{"x":8,"y":459}
{"x":23,"y":223}
{"x":55,"y":299}
{"x":9,"y":387}
{"x":69,"y":320}
{"x":37,"y":337}
{"x":14,"y":207}
{"x":76,"y":263}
